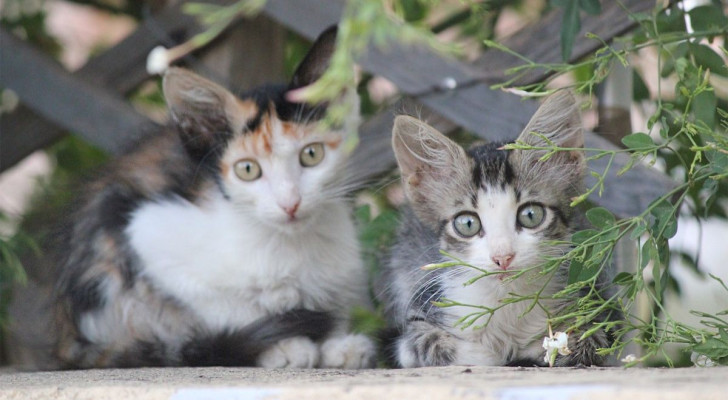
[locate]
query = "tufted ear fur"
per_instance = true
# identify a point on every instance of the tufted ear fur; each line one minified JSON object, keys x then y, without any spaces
{"x":432,"y":167}
{"x":558,"y":120}
{"x":203,"y":111}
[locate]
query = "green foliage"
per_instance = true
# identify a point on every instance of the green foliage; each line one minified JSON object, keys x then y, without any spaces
{"x":688,"y":133}
{"x":11,"y":269}
{"x":571,"y":23}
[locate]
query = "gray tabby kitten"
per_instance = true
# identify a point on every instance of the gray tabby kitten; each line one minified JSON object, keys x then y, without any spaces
{"x":493,"y":209}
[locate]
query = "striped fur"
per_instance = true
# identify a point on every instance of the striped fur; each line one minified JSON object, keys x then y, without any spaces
{"x":492,"y":186}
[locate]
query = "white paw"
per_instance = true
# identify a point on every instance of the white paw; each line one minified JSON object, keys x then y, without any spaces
{"x":349,"y":352}
{"x":296,"y":352}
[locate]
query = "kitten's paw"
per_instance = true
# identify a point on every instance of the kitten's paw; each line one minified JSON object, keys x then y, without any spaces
{"x":296,"y":352}
{"x":426,"y":346}
{"x":349,"y":352}
{"x":584,"y":352}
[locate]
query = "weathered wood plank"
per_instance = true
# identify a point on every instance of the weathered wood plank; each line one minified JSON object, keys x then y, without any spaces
{"x":432,"y":70}
{"x":540,"y":41}
{"x":121,"y":69}
{"x":489,"y":114}
{"x":47,"y":88}
{"x":21,"y":133}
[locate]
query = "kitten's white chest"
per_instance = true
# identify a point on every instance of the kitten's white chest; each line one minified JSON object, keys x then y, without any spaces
{"x":228,"y":269}
{"x":510,"y":333}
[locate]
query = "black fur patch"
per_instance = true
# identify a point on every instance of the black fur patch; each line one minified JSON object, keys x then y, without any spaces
{"x":85,"y":295}
{"x":274,"y":95}
{"x":243,"y":346}
{"x":491,"y":165}
{"x":116,"y":203}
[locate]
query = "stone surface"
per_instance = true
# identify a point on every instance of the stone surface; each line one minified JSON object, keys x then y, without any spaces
{"x":419,"y":384}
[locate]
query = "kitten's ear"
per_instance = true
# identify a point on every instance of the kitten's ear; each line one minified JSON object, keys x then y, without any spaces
{"x":433,"y":167}
{"x":558,"y":120}
{"x":203,"y":110}
{"x":316,"y":61}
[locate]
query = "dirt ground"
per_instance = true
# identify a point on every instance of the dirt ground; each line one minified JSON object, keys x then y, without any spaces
{"x":404,"y":384}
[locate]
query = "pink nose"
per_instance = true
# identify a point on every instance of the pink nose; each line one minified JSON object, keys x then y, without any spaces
{"x":291,"y":210}
{"x":503,"y":261}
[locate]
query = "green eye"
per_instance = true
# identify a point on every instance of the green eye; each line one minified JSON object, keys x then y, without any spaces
{"x":466,"y":224}
{"x":312,"y":154}
{"x":247,"y":170}
{"x":531,"y":215}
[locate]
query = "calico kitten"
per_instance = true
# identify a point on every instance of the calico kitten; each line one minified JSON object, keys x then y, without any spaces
{"x":224,"y":241}
{"x":493,"y":209}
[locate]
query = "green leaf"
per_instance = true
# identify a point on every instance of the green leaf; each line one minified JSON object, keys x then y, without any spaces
{"x":656,"y":270}
{"x":638,"y":141}
{"x":583,"y":236}
{"x":716,"y":347}
{"x":708,"y":59}
{"x":706,"y":18}
{"x":639,"y":87}
{"x":570,"y":27}
{"x":623,"y":278}
{"x":666,"y":223}
{"x":592,"y":7}
{"x":637,"y":231}
{"x":677,"y":56}
{"x":600,"y":217}
{"x":703,"y":106}
{"x":575,"y":269}
{"x":647,"y":253}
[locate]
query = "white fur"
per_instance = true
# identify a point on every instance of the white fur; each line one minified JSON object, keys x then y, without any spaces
{"x":284,"y":181}
{"x":236,"y":255}
{"x":296,"y":352}
{"x":230,"y":269}
{"x":349,"y":352}
{"x":509,"y":332}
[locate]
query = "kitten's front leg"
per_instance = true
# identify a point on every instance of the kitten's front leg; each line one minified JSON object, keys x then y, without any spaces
{"x":350,"y":351}
{"x":584,"y":352}
{"x":295,"y":352}
{"x":423,"y":344}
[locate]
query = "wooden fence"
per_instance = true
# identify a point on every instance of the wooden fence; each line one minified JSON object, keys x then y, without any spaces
{"x":91,"y":101}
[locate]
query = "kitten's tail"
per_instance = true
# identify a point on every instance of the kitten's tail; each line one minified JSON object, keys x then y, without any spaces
{"x":242,"y":347}
{"x":231,"y":348}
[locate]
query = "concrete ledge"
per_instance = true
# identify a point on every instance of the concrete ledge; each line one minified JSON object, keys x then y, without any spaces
{"x":416,"y":384}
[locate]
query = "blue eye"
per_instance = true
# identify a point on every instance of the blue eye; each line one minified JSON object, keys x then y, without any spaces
{"x":466,"y":224}
{"x":531,"y":215}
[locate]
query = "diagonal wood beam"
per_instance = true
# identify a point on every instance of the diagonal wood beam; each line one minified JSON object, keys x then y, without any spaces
{"x":121,"y":69}
{"x":490,"y":114}
{"x":45,"y":86}
{"x":541,"y":41}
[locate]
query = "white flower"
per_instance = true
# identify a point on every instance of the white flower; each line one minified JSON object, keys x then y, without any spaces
{"x":553,"y":344}
{"x":8,"y":101}
{"x":629,"y":358}
{"x":157,"y":61}
{"x":701,"y":360}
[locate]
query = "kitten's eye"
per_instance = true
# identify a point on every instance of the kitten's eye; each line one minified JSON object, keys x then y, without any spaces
{"x":467,"y":224}
{"x":531,"y":215}
{"x":312,"y":154}
{"x":247,"y":170}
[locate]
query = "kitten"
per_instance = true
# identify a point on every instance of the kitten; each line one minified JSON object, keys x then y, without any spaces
{"x":224,"y":241}
{"x":493,"y":209}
